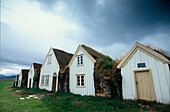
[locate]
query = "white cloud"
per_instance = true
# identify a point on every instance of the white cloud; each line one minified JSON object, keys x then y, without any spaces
{"x":156,"y":40}
{"x":27,"y":17}
{"x":100,"y":2}
{"x":36,"y":31}
{"x":12,"y":69}
{"x":115,"y":50}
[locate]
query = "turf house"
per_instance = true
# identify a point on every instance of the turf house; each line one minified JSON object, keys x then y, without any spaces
{"x":16,"y":80}
{"x":93,"y":73}
{"x":34,"y":75}
{"x":145,"y":74}
{"x":23,"y":78}
{"x":54,"y":75}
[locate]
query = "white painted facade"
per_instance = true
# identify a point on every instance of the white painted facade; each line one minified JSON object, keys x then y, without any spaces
{"x":30,"y":76}
{"x":160,"y":75}
{"x":88,"y":69}
{"x":49,"y":69}
{"x":20,"y":79}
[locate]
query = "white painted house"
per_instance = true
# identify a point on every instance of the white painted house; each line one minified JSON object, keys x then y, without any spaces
{"x":145,"y":75}
{"x":34,"y":75}
{"x":85,"y":78}
{"x":55,"y":64}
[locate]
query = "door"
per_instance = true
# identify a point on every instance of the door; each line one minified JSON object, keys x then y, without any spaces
{"x":54,"y":85}
{"x":30,"y":83}
{"x":144,"y":85}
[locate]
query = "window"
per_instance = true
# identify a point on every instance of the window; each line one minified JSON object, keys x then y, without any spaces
{"x":42,"y":80}
{"x":80,"y":60}
{"x":49,"y":59}
{"x":45,"y":80}
{"x":80,"y":80}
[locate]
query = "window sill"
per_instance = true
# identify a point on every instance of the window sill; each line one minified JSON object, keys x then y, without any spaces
{"x":80,"y":86}
{"x":80,"y":65}
{"x":44,"y":85}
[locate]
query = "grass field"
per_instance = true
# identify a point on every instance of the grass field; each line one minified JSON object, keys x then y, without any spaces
{"x":67,"y":102}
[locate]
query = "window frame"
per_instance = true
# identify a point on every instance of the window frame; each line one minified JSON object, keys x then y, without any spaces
{"x":80,"y":86}
{"x":79,"y":60}
{"x":49,"y":57}
{"x":44,"y":84}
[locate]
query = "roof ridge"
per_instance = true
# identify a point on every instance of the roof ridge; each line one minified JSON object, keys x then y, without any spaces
{"x":94,"y":50}
{"x":61,"y":50}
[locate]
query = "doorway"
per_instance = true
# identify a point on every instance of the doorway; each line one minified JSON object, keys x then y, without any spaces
{"x":144,"y":85}
{"x":30,"y":83}
{"x":54,"y":84}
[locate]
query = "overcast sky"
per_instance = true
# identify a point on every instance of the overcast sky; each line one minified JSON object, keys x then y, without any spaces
{"x":30,"y":27}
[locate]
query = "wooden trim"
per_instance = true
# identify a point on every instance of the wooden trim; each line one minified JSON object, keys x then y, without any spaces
{"x":129,"y":57}
{"x":150,"y":73}
{"x":80,"y":81}
{"x":145,"y":49}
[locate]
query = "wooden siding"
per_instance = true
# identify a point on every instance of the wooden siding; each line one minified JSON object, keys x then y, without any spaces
{"x":88,"y":70}
{"x":31,"y":76}
{"x":20,"y":79}
{"x":49,"y":69}
{"x":160,"y":74}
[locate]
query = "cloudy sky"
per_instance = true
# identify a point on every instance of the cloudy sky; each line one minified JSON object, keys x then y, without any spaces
{"x":30,"y":27}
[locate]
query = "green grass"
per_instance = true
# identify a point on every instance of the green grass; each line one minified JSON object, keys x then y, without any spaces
{"x":61,"y":101}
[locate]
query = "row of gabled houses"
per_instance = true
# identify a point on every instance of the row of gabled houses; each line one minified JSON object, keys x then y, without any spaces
{"x":142,"y":73}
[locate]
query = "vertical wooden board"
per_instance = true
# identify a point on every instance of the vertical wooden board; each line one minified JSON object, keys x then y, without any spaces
{"x":163,"y":81}
{"x":155,"y":78}
{"x":152,"y":90}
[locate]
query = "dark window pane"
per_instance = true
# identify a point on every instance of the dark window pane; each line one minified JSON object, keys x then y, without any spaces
{"x":82,"y":84}
{"x":78,"y":84}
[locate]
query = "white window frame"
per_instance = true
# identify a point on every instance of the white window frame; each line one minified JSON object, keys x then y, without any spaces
{"x":80,"y":60}
{"x":42,"y":80}
{"x":46,"y":82}
{"x":80,"y":76}
{"x":49,"y":59}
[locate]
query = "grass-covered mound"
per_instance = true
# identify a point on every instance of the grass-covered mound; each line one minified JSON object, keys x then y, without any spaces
{"x":106,"y":80}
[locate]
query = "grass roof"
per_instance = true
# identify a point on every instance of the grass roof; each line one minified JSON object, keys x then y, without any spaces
{"x":63,"y":58}
{"x":104,"y":64}
{"x":37,"y":66}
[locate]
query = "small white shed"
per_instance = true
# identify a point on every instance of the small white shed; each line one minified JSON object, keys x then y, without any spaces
{"x":145,"y":75}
